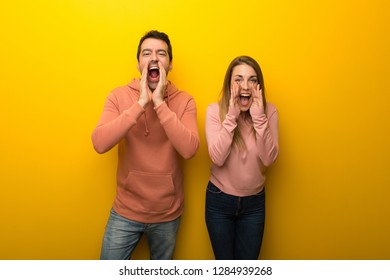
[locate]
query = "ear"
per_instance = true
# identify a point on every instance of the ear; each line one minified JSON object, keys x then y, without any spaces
{"x":170,"y":66}
{"x":138,"y":68}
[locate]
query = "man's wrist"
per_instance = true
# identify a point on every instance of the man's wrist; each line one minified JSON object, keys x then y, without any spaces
{"x":142,"y":103}
{"x":157,"y":102}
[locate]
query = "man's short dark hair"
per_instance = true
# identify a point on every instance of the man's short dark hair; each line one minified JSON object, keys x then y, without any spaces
{"x":156,"y":35}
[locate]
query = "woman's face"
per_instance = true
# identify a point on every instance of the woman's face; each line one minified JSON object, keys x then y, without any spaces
{"x":244,"y":76}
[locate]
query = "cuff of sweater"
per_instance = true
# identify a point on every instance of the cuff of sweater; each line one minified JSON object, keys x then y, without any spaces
{"x":256,"y":111}
{"x":134,"y":111}
{"x":163,"y":112}
{"x":258,"y":116}
{"x":230,"y":122}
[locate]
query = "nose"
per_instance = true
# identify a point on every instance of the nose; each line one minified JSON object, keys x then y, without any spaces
{"x":154,"y":56}
{"x":245,"y":84}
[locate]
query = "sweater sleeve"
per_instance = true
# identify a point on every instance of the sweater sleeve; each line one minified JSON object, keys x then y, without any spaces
{"x":219,"y":136}
{"x":113,"y":124}
{"x":266,"y":128}
{"x":181,"y":131}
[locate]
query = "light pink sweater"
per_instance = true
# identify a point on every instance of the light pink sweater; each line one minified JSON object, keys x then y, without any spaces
{"x":241,"y":173}
{"x":151,"y":142}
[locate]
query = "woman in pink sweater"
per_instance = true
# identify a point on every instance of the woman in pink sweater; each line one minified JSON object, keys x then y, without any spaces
{"x":242,"y":139}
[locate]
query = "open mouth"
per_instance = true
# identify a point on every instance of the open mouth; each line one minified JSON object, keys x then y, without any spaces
{"x":153,"y":73}
{"x":245,"y":99}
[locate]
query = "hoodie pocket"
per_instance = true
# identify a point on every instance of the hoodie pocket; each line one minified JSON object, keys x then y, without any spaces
{"x":152,"y":192}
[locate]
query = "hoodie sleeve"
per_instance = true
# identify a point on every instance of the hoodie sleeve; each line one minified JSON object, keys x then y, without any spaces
{"x":182,"y":131}
{"x":113,"y":125}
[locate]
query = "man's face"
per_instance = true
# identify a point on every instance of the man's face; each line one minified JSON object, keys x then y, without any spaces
{"x":152,"y":52}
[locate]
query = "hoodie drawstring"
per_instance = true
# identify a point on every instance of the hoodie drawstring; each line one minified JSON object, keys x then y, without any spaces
{"x":146,"y":122}
{"x":168,"y":98}
{"x":146,"y":125}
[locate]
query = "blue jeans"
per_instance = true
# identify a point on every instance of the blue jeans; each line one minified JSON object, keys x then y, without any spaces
{"x":235,"y":224}
{"x":122,"y":236}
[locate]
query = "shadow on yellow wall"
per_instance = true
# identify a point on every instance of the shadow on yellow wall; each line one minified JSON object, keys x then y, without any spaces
{"x":326,"y":69}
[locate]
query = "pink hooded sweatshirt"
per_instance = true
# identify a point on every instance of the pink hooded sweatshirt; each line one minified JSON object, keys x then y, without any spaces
{"x":151,"y":144}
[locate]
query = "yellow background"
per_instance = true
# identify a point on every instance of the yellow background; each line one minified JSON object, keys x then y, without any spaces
{"x":326,"y":67}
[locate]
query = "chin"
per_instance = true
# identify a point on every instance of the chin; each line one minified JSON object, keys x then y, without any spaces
{"x":152,"y":86}
{"x":244,"y":109}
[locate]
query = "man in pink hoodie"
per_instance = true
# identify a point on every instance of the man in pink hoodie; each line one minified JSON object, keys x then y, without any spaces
{"x":154,"y":124}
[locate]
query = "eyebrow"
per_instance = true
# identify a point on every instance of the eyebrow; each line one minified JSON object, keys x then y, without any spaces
{"x":149,"y":50}
{"x":240,"y":76}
